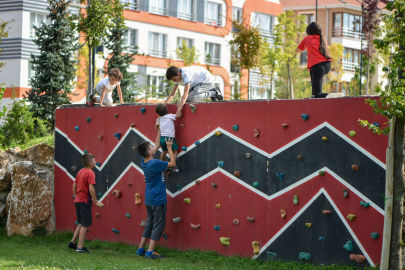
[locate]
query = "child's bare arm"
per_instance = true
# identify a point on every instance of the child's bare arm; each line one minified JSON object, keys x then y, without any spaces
{"x":74,"y":188}
{"x":169,"y":144}
{"x":94,"y":197}
{"x":102,"y":96}
{"x":119,"y":93}
{"x":157,"y":143}
{"x":171,"y":96}
{"x":182,"y":101}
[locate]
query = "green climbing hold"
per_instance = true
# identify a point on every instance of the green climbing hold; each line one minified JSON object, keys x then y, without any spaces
{"x":164,"y":236}
{"x":184,"y":148}
{"x":365,"y":204}
{"x":116,"y":231}
{"x":305,"y":256}
{"x":179,"y":187}
{"x":348,"y":246}
{"x":256,"y":184}
{"x":295,"y":199}
{"x":235,"y":127}
{"x":127,"y":215}
{"x":271,"y":256}
{"x":143,"y":110}
{"x":352,"y":133}
{"x":224,"y":241}
{"x":88,"y":120}
{"x":305,"y":117}
{"x":85,"y":151}
{"x":375,"y":235}
{"x":77,"y":223}
{"x":100,"y":194}
{"x":322,"y":173}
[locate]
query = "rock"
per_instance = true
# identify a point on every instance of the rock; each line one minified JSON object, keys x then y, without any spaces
{"x":40,"y":153}
{"x":5,"y":159}
{"x":13,"y":151}
{"x":29,"y":203}
{"x":5,"y":180}
{"x":2,"y":210}
{"x":3,"y":196}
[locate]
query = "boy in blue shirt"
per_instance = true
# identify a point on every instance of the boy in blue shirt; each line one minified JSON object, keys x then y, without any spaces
{"x":155,"y":194}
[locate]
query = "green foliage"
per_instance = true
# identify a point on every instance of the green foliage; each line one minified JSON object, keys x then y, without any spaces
{"x":269,"y":64}
{"x":39,"y":231}
{"x":54,"y":69}
{"x":188,"y":55}
{"x":21,"y":125}
{"x":354,"y":85}
{"x":82,"y":65}
{"x":4,"y":109}
{"x":300,"y":80}
{"x":3,"y":34}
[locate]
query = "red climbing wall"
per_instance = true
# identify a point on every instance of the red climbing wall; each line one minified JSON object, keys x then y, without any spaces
{"x":274,"y":151}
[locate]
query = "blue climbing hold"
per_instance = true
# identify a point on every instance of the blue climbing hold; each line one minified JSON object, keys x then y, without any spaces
{"x":143,"y":110}
{"x":85,"y":151}
{"x":221,"y":164}
{"x":305,"y":256}
{"x":179,"y":187}
{"x":256,"y":184}
{"x":127,"y":215}
{"x":197,"y":143}
{"x":98,"y":164}
{"x":271,"y":256}
{"x":376,"y":124}
{"x":184,"y":148}
{"x":375,"y":235}
{"x":74,"y":196}
{"x":88,"y":120}
{"x":216,"y":227}
{"x":117,"y":135}
{"x":77,"y":223}
{"x":77,"y":128}
{"x":321,"y":239}
{"x":365,"y":204}
{"x":235,"y":127}
{"x":116,"y":231}
{"x":305,"y":116}
{"x":280,"y":176}
{"x":100,"y":194}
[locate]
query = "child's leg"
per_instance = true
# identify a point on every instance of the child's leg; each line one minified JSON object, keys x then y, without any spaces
{"x":82,"y":236}
{"x":163,"y":155}
{"x":159,"y":225}
{"x":201,"y":92}
{"x":317,"y":72}
{"x":147,"y":232}
{"x":76,"y":234}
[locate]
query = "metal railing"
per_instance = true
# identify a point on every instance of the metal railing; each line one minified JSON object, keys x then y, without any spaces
{"x":157,"y":53}
{"x":213,"y":61}
{"x":266,"y":32}
{"x":185,"y":16}
{"x":350,"y":66}
{"x":32,"y":33}
{"x":346,"y":32}
{"x":133,"y":5}
{"x":158,"y":10}
{"x":213,"y":22}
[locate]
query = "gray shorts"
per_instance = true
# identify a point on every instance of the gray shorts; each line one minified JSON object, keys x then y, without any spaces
{"x":156,"y":224}
{"x":201,"y":92}
{"x":107,"y":97}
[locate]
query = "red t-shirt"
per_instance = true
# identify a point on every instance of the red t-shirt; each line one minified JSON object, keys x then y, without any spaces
{"x":311,"y":43}
{"x":84,"y":178}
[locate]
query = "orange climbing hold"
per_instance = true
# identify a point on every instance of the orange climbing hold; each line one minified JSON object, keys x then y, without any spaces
{"x":116,"y":193}
{"x":355,"y":167}
{"x":195,"y":226}
{"x":182,"y":125}
{"x":283,"y":213}
{"x":256,"y":247}
{"x":137,"y":198}
{"x":236,"y":173}
{"x":357,"y":258}
{"x":97,"y":215}
{"x":250,"y":219}
{"x":326,"y":212}
{"x":197,"y":182}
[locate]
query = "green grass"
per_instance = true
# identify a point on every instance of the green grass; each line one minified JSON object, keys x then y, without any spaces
{"x":51,"y":252}
{"x":49,"y":140}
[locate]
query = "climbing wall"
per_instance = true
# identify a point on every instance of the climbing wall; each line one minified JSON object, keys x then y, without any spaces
{"x":296,"y":180}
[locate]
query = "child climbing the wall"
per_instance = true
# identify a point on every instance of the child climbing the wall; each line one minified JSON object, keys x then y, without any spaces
{"x":198,"y":85}
{"x":155,"y":194}
{"x":165,"y":124}
{"x":105,"y":88}
{"x":84,"y":192}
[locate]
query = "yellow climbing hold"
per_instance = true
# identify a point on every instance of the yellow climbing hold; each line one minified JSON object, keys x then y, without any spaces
{"x":324,"y":138}
{"x":224,"y":241}
{"x":256,"y":249}
{"x":218,"y":133}
{"x":351,"y":217}
{"x":218,"y":206}
{"x":187,"y":200}
{"x":308,"y":225}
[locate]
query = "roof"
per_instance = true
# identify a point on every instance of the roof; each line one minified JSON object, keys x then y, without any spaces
{"x":311,"y":3}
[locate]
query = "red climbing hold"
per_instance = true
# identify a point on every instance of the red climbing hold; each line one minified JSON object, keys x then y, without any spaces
{"x":326,"y":212}
{"x":250,"y":219}
{"x":116,"y":193}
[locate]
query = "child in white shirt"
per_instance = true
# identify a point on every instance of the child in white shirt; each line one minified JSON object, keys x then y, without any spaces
{"x":105,"y":88}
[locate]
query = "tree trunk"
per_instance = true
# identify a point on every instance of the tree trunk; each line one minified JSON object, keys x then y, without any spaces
{"x":271,"y":86}
{"x":291,"y":92}
{"x":368,"y":68}
{"x":90,"y":83}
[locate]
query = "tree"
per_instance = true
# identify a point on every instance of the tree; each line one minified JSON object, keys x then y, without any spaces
{"x":300,"y":81}
{"x":3,"y":34}
{"x":354,"y":85}
{"x":337,"y":71}
{"x":54,"y":69}
{"x":81,"y":66}
{"x":288,"y":31}
{"x":119,"y":59}
{"x":269,"y":63}
{"x":188,"y":55}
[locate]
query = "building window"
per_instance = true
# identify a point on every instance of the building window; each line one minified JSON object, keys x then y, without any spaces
{"x":347,"y":25}
{"x":31,"y":72}
{"x":185,"y":41}
{"x":158,"y":7}
{"x":131,"y":40}
{"x":133,"y":4}
{"x":157,"y":44}
{"x":237,"y":14}
{"x":309,"y":18}
{"x":258,"y":93}
{"x":213,"y":13}
{"x":36,"y":20}
{"x":352,"y":61}
{"x":265,"y":23}
{"x":212,"y":53}
{"x":156,"y":86}
{"x":185,"y":9}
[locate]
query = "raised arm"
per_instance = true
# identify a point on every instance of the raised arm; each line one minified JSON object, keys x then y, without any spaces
{"x":171,"y":96}
{"x":157,"y":143}
{"x":169,"y":144}
{"x":182,"y":101}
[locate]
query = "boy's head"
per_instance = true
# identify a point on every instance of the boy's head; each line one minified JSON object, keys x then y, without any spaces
{"x":115,"y":75}
{"x":89,"y":160}
{"x":173,"y":74}
{"x":144,"y":149}
{"x":161,"y":109}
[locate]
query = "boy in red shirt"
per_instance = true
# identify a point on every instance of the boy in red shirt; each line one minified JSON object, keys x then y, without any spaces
{"x":83,"y":192}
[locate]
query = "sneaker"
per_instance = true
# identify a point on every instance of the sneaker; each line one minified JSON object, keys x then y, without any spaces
{"x":154,"y":255}
{"x":219,"y":94}
{"x":83,"y":250}
{"x":90,"y":103}
{"x":72,"y":245}
{"x":141,"y":252}
{"x":174,"y":169}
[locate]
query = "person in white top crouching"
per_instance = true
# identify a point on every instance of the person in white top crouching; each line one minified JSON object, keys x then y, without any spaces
{"x":105,"y":88}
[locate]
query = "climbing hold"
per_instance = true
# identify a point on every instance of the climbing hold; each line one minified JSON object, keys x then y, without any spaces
{"x":248,"y":155}
{"x":236,"y":173}
{"x":345,"y":193}
{"x":352,"y":133}
{"x":351,"y":217}
{"x":376,"y":124}
{"x":280,"y":176}
{"x":137,"y":198}
{"x":179,"y":187}
{"x":197,"y":142}
{"x":365,"y":204}
{"x":193,"y":108}
{"x":348,"y":246}
{"x":326,"y":212}
{"x":177,"y":219}
{"x":197,"y":182}
{"x":164,"y":236}
{"x":256,"y":132}
{"x":305,"y":116}
{"x":283,"y":213}
{"x":98,"y":164}
{"x":88,"y":120}
{"x":250,"y":219}
{"x":73,"y":168}
{"x":218,"y":133}
{"x":74,"y":197}
{"x":134,"y":147}
{"x":184,"y":148}
{"x":97,"y":215}
{"x":271,"y":256}
{"x":304,"y":256}
{"x":218,"y":206}
{"x":182,"y":125}
{"x":216,"y":227}
{"x":130,"y":184}
{"x":117,"y":135}
{"x":143,"y":110}
{"x":214,"y":185}
{"x":187,"y":200}
{"x":77,"y":128}
{"x":321,"y":239}
{"x":308,"y":225}
{"x":77,"y":223}
{"x":224,"y":241}
{"x":324,"y":138}
{"x":357,"y":258}
{"x":115,"y":231}
{"x":321,"y":173}
{"x":295,"y":199}
{"x":116,"y":115}
{"x":221,"y":164}
{"x":256,"y":184}
{"x":256,"y":248}
{"x":284,"y":126}
{"x":375,"y":235}
{"x":236,"y":221}
{"x":235,"y":127}
{"x":132,"y":125}
{"x":100,"y":137}
{"x":127,"y":215}
{"x":195,"y":226}
{"x":355,"y":167}
{"x":300,"y":158}
{"x":143,"y":223}
{"x":85,"y":151}
{"x":100,"y":194}
{"x":116,"y":193}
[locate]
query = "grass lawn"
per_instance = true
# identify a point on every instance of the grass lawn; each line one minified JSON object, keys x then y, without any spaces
{"x":51,"y":252}
{"x":49,"y":140}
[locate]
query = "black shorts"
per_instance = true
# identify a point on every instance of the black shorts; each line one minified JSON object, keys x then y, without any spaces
{"x":83,"y":214}
{"x":156,"y":224}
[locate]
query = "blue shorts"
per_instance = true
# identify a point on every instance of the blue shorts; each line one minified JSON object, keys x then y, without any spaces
{"x":164,"y":146}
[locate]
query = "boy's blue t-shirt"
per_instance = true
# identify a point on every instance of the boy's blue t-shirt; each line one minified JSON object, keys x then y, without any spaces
{"x":155,"y":190}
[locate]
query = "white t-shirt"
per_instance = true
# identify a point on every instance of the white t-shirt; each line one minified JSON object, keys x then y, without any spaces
{"x":195,"y":75}
{"x":109,"y":87}
{"x":166,"y":125}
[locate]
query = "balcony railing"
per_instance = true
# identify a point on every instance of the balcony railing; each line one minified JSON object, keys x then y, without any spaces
{"x":158,"y":10}
{"x":133,"y":5}
{"x":266,"y":32}
{"x":157,"y":53}
{"x":346,"y":32}
{"x":185,"y":16}
{"x":213,"y":61}
{"x":350,"y":66}
{"x":213,"y":22}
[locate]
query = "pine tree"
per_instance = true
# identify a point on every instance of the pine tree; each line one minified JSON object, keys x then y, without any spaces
{"x":54,"y":69}
{"x":118,"y":59}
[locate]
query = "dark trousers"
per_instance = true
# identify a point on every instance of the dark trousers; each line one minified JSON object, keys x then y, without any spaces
{"x":317,"y":72}
{"x":156,"y":224}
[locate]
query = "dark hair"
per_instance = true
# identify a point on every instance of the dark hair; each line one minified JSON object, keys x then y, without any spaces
{"x":315,"y":29}
{"x":87,"y":158}
{"x":143,"y":149}
{"x":171,"y":72}
{"x":116,"y":73}
{"x":161,"y":109}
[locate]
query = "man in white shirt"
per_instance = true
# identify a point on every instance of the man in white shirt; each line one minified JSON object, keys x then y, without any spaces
{"x":198,"y":85}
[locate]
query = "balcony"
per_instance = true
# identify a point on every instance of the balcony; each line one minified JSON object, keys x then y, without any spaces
{"x":157,"y":53}
{"x":350,"y":66}
{"x":213,"y":61}
{"x":346,"y":32}
{"x":214,"y":22}
{"x":158,"y":10}
{"x":185,"y":16}
{"x":133,"y":5}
